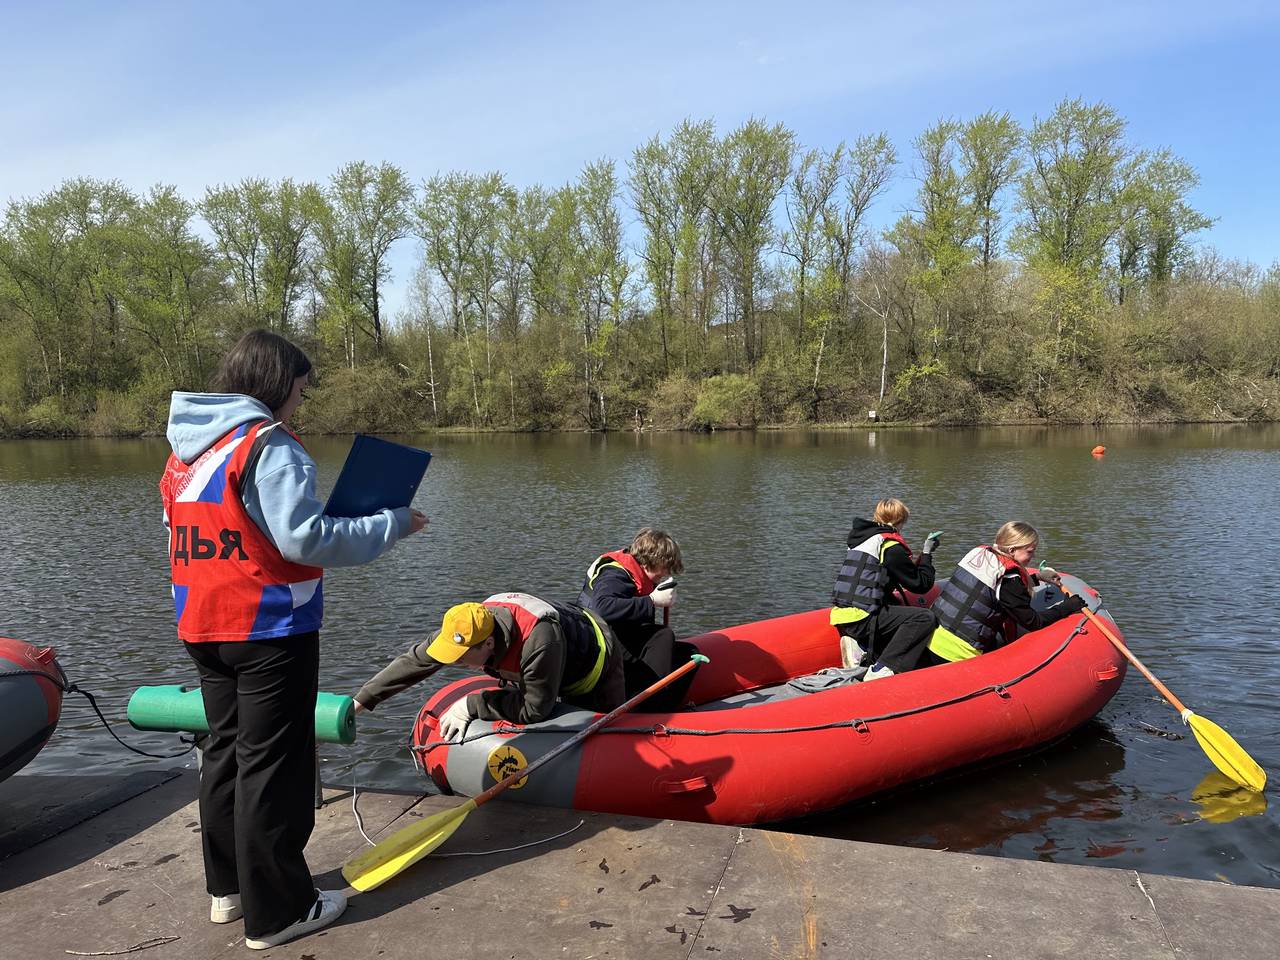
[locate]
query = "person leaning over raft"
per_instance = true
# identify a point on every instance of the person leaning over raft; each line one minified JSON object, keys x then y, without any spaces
{"x":878,"y":562}
{"x":545,"y":650}
{"x":247,"y":543}
{"x":987,"y":601}
{"x":624,"y":588}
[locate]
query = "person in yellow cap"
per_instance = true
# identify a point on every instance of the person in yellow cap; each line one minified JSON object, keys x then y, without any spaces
{"x":548,"y":652}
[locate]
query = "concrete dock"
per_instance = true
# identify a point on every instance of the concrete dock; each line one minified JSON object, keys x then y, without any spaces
{"x":101,"y":866}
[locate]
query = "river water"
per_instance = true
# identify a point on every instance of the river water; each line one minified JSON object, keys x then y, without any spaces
{"x":1173,"y":525}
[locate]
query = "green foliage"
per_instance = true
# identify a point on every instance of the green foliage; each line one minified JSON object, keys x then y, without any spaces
{"x":727,"y":400}
{"x":370,"y":399}
{"x":927,"y":393}
{"x":754,"y":290}
{"x":673,"y":403}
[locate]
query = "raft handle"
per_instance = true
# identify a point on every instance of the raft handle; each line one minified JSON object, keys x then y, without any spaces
{"x":692,"y":785}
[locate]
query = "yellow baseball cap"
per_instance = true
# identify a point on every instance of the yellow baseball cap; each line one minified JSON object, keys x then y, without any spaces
{"x":465,"y":625}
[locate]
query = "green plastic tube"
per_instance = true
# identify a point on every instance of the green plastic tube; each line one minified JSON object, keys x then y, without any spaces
{"x":180,"y":709}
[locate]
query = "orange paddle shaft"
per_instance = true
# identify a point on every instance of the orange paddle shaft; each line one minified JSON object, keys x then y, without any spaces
{"x":1128,"y":655}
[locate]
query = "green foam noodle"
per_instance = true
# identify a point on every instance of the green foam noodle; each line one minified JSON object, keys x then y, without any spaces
{"x":178,"y":708}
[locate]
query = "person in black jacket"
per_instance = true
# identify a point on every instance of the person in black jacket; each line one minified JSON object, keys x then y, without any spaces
{"x":627,"y":588}
{"x":872,"y":628}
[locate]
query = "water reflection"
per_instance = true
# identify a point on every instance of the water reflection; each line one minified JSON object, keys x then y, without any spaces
{"x":1051,"y":797}
{"x":1222,"y":800}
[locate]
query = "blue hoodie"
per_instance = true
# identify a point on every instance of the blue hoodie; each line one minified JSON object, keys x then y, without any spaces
{"x":281,"y":495}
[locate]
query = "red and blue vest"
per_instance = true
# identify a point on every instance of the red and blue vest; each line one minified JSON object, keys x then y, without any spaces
{"x":230,"y":582}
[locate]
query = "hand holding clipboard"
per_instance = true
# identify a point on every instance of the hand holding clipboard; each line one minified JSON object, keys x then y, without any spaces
{"x":377,"y":475}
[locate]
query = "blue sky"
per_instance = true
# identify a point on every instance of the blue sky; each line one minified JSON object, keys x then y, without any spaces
{"x":201,"y":94}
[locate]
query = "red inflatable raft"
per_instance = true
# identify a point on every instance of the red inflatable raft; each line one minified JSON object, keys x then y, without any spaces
{"x":772,"y":738}
{"x":31,"y":685}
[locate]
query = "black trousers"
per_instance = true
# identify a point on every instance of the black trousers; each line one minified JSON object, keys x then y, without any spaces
{"x":896,"y":636}
{"x":257,"y":785}
{"x":652,"y":652}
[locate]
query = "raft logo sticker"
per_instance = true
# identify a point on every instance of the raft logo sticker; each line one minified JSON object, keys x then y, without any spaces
{"x":505,"y":761}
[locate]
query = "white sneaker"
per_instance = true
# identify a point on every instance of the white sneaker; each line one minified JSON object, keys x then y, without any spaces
{"x":852,"y":653}
{"x":877,"y":673}
{"x":327,"y":908}
{"x":225,"y":909}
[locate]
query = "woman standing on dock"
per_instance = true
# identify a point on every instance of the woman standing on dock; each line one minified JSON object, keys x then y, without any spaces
{"x":248,"y":541}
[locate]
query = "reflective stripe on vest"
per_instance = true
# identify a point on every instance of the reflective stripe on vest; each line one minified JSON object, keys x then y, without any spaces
{"x":528,"y":611}
{"x":230,"y":582}
{"x":588,"y":683}
{"x":948,"y":646}
{"x":841,"y":615}
{"x":863,"y":577}
{"x":969,"y":604}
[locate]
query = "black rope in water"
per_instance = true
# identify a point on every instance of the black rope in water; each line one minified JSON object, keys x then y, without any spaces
{"x":66,"y":687}
{"x":93,"y":702}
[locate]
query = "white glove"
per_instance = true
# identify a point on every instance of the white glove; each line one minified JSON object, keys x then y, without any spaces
{"x":453,"y":722}
{"x":664,"y":597}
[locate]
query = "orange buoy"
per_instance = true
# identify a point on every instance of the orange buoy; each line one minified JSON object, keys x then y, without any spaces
{"x":1099,"y":450}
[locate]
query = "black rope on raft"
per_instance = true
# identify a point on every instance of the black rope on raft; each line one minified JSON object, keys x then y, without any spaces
{"x":854,"y":722}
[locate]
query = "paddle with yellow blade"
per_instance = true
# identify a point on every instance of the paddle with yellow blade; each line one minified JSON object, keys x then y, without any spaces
{"x":410,"y":844}
{"x":1227,"y":755}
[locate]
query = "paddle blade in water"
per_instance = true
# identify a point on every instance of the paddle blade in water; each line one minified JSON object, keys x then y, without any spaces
{"x":403,"y":848}
{"x":1227,"y":755}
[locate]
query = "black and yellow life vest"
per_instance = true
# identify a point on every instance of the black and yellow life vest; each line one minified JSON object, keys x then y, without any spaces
{"x":863,"y":580}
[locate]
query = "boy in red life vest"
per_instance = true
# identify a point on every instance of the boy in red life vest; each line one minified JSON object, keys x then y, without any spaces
{"x":248,"y":541}
{"x":872,"y":628}
{"x":628,"y":588}
{"x":987,"y":602}
{"x":545,"y":651}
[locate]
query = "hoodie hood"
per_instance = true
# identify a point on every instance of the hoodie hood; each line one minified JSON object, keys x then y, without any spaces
{"x":199,"y":420}
{"x":863,"y":528}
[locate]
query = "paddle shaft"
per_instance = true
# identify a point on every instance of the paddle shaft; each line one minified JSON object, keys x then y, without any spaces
{"x":1128,"y":655}
{"x":577,"y":738}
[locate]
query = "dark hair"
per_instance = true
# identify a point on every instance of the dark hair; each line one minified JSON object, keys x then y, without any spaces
{"x":262,"y":365}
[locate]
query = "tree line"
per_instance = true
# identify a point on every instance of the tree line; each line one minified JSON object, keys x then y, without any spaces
{"x":1049,"y":272}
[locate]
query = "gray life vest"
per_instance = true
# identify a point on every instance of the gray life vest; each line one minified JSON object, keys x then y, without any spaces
{"x":969,"y":604}
{"x":863,"y":579}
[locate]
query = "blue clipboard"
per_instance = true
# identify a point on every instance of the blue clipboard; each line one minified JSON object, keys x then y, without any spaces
{"x":377,"y":474}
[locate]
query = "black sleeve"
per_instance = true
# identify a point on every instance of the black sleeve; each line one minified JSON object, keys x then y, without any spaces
{"x":904,"y":573}
{"x":614,"y":597}
{"x":541,"y":672}
{"x":1016,"y":601}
